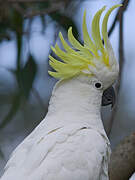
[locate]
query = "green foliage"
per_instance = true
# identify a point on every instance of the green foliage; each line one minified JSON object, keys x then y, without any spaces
{"x":12,"y":20}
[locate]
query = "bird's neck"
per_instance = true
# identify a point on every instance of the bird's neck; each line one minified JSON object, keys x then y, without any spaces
{"x":73,"y":101}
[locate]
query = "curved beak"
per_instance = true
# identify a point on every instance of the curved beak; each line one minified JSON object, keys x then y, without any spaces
{"x":108,"y":97}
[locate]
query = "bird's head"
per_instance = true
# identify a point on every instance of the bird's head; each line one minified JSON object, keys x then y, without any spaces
{"x":94,"y":59}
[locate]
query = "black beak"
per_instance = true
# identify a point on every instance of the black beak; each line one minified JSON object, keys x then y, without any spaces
{"x":108,"y":97}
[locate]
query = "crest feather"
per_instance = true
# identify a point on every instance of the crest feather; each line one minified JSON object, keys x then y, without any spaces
{"x":87,"y":40}
{"x":96,"y":30}
{"x":83,"y":59}
{"x":104,"y":24}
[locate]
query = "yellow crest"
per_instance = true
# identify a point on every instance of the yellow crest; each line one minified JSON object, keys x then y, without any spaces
{"x":80,"y":58}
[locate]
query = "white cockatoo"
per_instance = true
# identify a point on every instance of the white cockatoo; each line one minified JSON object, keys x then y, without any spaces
{"x":71,"y":143}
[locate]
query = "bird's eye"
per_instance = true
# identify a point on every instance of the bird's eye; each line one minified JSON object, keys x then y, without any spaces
{"x":98,"y":85}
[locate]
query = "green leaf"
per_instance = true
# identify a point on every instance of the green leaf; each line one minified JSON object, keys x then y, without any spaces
{"x":26,"y":76}
{"x":65,"y":22}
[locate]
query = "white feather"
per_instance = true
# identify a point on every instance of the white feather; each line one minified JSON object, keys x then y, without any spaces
{"x":70,"y":143}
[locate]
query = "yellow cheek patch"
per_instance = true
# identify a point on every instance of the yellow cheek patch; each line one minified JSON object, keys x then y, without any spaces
{"x":78,"y":58}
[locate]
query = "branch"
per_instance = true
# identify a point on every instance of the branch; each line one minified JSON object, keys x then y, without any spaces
{"x":113,"y":24}
{"x":122,"y":163}
{"x":124,"y":7}
{"x":120,"y":17}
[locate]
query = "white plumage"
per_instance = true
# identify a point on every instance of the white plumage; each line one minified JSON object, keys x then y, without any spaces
{"x":70,"y":143}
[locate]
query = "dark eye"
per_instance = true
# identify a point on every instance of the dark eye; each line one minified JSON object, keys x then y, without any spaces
{"x":98,"y":85}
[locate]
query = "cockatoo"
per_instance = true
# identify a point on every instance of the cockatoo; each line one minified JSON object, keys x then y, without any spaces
{"x":71,"y":143}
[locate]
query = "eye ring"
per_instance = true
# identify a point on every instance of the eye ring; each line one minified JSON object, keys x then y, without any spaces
{"x":98,"y":85}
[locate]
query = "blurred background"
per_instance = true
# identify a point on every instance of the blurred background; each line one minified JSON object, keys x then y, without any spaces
{"x":27,"y":31}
